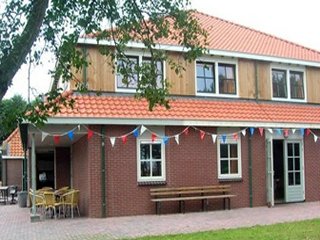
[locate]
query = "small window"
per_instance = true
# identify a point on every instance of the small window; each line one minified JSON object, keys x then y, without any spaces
{"x":279,"y":83}
{"x":150,"y":161}
{"x":229,"y":160}
{"x":131,"y":79}
{"x":296,"y":85}
{"x":205,"y":77}
{"x":159,"y":66}
{"x":227,"y":79}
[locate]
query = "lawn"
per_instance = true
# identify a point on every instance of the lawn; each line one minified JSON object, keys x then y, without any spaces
{"x":294,"y":231}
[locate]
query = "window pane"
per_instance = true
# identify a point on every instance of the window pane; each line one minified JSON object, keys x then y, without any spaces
{"x":159,"y":68}
{"x":145,"y":151}
{"x":233,"y":150}
{"x":224,"y":167}
{"x":130,"y":73}
{"x":156,"y":151}
{"x":290,"y":149}
{"x":234,"y":166}
{"x":298,"y":179}
{"x":227,"y":80}
{"x":156,"y":169}
{"x":297,"y":149}
{"x":205,"y":77}
{"x":290,"y":163}
{"x":279,"y":83}
{"x":223,"y":150}
{"x":290,"y":178}
{"x":297,"y":163}
{"x":145,"y":169}
{"x":296,"y":85}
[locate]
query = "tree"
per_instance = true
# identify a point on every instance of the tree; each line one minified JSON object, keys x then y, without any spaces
{"x":56,"y":25}
{"x":11,"y":111}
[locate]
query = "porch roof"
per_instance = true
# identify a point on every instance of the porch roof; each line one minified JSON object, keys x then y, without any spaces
{"x":191,"y":111}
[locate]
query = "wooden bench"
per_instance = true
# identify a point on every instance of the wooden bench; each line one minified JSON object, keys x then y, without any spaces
{"x":182,"y":194}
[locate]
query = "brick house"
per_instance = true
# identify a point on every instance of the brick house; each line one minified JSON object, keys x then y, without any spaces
{"x":246,"y":114}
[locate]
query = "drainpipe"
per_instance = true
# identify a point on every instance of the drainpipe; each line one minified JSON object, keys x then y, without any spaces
{"x":250,"y":170}
{"x":103,"y":173}
{"x":33,"y":173}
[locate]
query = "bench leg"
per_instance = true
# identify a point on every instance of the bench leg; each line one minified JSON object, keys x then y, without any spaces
{"x":158,"y":207}
{"x":205,"y":204}
{"x":229,"y":204}
{"x":224,"y":204}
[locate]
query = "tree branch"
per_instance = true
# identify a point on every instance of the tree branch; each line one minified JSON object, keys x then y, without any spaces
{"x":11,"y":63}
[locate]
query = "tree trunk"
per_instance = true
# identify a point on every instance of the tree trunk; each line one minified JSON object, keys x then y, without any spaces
{"x":10,"y":64}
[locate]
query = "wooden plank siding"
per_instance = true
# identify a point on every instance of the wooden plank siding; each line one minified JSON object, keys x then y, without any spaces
{"x":313,"y":84}
{"x":264,"y":81}
{"x":181,"y":84}
{"x":246,"y":74}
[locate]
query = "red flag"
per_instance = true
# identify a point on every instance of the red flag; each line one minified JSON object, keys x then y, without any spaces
{"x":153,"y":137}
{"x":202,"y":134}
{"x":90,"y":134}
{"x":186,"y":131}
{"x":308,"y":131}
{"x":124,"y":139}
{"x":56,"y":139}
{"x":261,"y":131}
{"x":285,"y":132}
{"x":235,"y":136}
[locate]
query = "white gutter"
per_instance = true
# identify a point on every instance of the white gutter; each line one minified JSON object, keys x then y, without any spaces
{"x":169,"y":122}
{"x":174,"y":48}
{"x":12,"y":157}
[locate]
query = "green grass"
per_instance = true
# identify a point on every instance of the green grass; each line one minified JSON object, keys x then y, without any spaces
{"x":294,"y":231}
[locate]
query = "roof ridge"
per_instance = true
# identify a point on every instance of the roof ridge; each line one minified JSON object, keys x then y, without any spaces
{"x":258,"y":31}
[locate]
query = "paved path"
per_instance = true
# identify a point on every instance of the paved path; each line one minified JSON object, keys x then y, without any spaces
{"x":15,"y":223}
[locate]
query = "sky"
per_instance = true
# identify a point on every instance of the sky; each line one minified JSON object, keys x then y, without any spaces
{"x":294,"y":20}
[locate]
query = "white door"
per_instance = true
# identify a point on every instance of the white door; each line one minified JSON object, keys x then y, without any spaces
{"x":294,"y":171}
{"x":270,"y":172}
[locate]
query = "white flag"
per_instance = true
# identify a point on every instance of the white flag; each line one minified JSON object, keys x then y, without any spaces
{"x":270,"y":130}
{"x":293,"y":131}
{"x":176,"y":137}
{"x":112,"y":140}
{"x":214,"y":138}
{"x":143,"y":129}
{"x":244,"y":132}
{"x":44,"y":135}
{"x":315,"y":138}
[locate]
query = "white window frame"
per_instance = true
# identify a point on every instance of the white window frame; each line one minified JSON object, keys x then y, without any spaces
{"x":288,"y":69}
{"x":229,"y":140}
{"x":140,"y":55}
{"x":163,"y":161}
{"x":216,"y":62}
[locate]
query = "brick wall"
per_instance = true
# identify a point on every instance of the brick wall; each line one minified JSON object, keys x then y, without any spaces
{"x":14,"y":172}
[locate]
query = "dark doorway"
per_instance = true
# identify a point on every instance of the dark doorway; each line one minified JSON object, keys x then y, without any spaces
{"x":45,"y":169}
{"x":278,"y":166}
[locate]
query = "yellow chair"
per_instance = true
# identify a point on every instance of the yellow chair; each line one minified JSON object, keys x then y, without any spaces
{"x":39,"y":201}
{"x":50,"y":203}
{"x":70,"y":202}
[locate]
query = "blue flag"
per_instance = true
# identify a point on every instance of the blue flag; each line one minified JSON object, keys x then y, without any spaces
{"x":71,"y":135}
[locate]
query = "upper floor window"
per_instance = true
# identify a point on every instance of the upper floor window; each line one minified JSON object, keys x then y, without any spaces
{"x":216,"y":78}
{"x":288,"y":84}
{"x":131,"y":63}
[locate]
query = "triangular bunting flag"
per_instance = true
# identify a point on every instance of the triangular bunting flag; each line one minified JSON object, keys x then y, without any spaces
{"x":112,"y":141}
{"x":315,"y":138}
{"x":90,"y":133}
{"x":270,"y":130}
{"x":308,"y":131}
{"x":56,"y":139}
{"x":251,"y":131}
{"x":214,"y":138}
{"x":186,"y":131}
{"x":124,"y":139}
{"x":43,"y":136}
{"x":244,"y":132}
{"x":79,"y":127}
{"x":176,"y":137}
{"x":279,"y":131}
{"x":285,"y":133}
{"x":261,"y":131}
{"x":235,"y":136}
{"x":224,"y":138}
{"x":165,"y":140}
{"x":293,"y":131}
{"x":153,"y":137}
{"x":136,"y":133}
{"x":302,"y":131}
{"x":202,"y":134}
{"x":70,"y":135}
{"x":142,"y":129}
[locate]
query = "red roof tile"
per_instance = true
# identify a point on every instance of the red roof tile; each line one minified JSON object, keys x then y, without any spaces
{"x":14,"y":145}
{"x":125,"y":107}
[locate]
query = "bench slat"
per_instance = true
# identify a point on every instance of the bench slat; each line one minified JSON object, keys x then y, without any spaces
{"x":192,"y":198}
{"x":189,"y":188}
{"x":184,"y":192}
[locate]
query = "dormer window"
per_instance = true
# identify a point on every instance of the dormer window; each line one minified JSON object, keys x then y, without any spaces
{"x":288,"y":84}
{"x":215,"y":78}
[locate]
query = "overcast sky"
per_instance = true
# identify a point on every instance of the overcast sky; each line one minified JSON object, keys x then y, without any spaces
{"x":297,"y":21}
